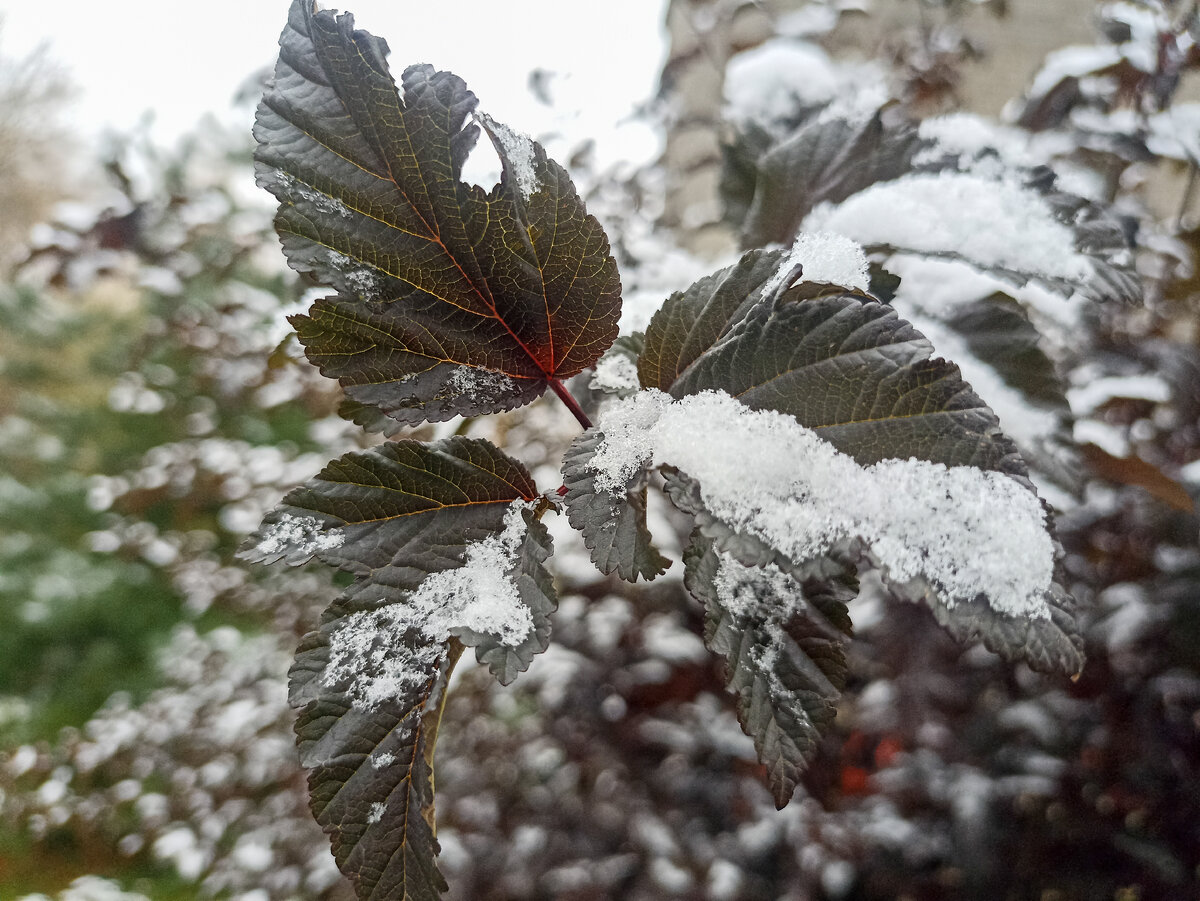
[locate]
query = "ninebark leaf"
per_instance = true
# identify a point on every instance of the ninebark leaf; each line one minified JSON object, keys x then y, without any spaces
{"x":690,"y":322}
{"x":782,"y":662}
{"x":370,"y":772}
{"x":823,"y":160}
{"x":613,"y":522}
{"x":450,"y":300}
{"x":848,"y":368}
{"x":448,"y":551}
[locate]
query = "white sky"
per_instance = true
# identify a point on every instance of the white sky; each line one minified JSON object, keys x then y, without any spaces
{"x":181,"y":60}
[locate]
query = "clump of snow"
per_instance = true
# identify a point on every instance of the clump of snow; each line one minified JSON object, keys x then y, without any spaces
{"x":305,"y":535}
{"x":627,"y":439}
{"x":1175,"y":132}
{"x":1076,"y":61}
{"x":383,"y":760}
{"x":615,"y":372}
{"x":989,"y":222}
{"x":965,"y":531}
{"x":516,"y":149}
{"x":767,"y":597}
{"x":772,"y":81}
{"x":772,"y":84}
{"x":825,"y":257}
{"x":969,"y":136}
{"x":386,"y":652}
{"x":376,"y":812}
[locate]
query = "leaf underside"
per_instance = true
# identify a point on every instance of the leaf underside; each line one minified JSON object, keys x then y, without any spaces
{"x":369,"y":683}
{"x":449,"y":300}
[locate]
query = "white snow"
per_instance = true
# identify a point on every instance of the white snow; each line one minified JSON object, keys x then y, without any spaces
{"x":968,"y":135}
{"x":988,"y":222}
{"x":826,"y":257}
{"x":1108,"y":438}
{"x":382,"y":760}
{"x":517,"y":149}
{"x":1078,"y":61}
{"x":369,"y":649}
{"x":965,"y":531}
{"x":772,"y":81}
{"x":376,"y":812}
{"x":770,"y":84}
{"x":1096,"y":393}
{"x":1175,"y":132}
{"x":628,"y":439}
{"x":360,"y":279}
{"x":304,"y":535}
{"x":615,"y":372}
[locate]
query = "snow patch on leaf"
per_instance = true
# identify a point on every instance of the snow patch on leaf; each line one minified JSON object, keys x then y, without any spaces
{"x":628,"y":440}
{"x":303,"y":535}
{"x":487,"y":384}
{"x":615,"y":373}
{"x":517,"y":151}
{"x":322,"y":202}
{"x":385,"y":652}
{"x":825,"y":257}
{"x":965,"y":531}
{"x":360,"y":279}
{"x":991,"y":223}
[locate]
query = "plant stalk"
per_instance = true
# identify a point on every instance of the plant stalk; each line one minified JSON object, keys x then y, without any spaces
{"x":573,"y":405}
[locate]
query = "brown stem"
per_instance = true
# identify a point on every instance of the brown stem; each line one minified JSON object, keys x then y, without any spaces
{"x":573,"y":405}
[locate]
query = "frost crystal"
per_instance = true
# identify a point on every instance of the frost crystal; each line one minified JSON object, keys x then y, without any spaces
{"x":304,"y":535}
{"x":988,"y":222}
{"x":382,"y":760}
{"x":482,"y":384}
{"x":321,"y":201}
{"x":361,"y":280}
{"x":826,"y":257}
{"x":966,"y":531}
{"x":376,"y":813}
{"x":387,"y":652}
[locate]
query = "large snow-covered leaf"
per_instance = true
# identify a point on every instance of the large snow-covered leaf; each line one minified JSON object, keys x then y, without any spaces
{"x":450,"y":300}
{"x":782,"y":660}
{"x":448,"y":550}
{"x":848,"y":370}
{"x":972,"y":544}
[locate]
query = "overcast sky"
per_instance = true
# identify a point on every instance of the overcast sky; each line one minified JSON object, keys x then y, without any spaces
{"x":180,"y":60}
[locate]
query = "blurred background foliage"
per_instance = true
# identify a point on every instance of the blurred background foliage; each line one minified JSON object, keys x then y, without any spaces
{"x":152,"y":406}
